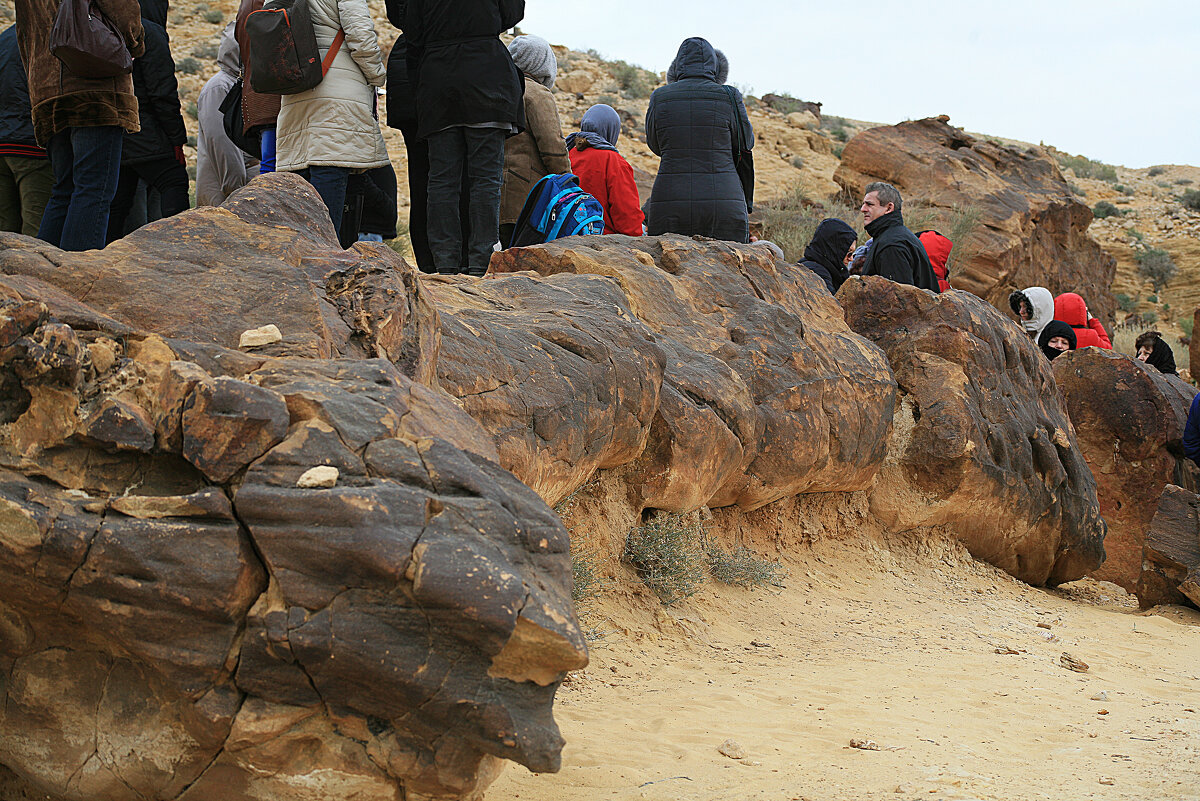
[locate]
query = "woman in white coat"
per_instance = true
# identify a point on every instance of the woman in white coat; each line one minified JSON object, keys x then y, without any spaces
{"x":331,"y":130}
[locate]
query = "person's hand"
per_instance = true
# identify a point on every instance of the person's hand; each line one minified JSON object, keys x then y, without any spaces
{"x":179,"y":156}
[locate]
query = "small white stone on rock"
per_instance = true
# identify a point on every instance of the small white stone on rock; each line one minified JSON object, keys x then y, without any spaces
{"x":257,"y":337}
{"x":321,"y":477}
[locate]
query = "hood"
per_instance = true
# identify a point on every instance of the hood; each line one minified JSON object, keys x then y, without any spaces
{"x":155,"y":11}
{"x":1161,"y":355}
{"x":1071,"y":309}
{"x":229,"y":56}
{"x":938,"y":248}
{"x":830,"y":243}
{"x":1043,"y":308}
{"x":1056,"y":328}
{"x":722,"y":68}
{"x":599,"y":128}
{"x":696,"y":59}
{"x":534,"y":57}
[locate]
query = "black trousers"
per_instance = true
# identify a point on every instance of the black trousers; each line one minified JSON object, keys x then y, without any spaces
{"x":165,"y":174}
{"x":478,"y":154}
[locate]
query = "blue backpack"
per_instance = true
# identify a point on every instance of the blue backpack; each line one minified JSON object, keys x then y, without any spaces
{"x":557,"y":207}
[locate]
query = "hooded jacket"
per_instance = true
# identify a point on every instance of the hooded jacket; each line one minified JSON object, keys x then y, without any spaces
{"x":16,"y":118}
{"x":61,"y":99}
{"x":157,"y":91}
{"x":1161,"y":356}
{"x":1056,"y":328}
{"x":463,"y":73}
{"x":401,"y":100}
{"x":938,"y":248}
{"x":1040,"y":301}
{"x":692,"y":125}
{"x":826,"y":253}
{"x":1072,"y":310}
{"x":896,"y":253}
{"x":539,"y":150}
{"x":221,"y":167}
{"x":333,"y":124}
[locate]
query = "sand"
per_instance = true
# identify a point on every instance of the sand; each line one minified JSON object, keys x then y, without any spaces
{"x":893,"y":643}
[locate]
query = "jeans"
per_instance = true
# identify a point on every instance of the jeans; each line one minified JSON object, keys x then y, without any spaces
{"x":480,"y":151}
{"x":166,"y":175}
{"x":418,"y":196}
{"x":266,"y":145}
{"x":330,"y":183}
{"x":25,"y":185}
{"x":87,"y":162}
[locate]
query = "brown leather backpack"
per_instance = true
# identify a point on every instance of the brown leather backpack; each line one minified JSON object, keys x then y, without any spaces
{"x":87,"y":43}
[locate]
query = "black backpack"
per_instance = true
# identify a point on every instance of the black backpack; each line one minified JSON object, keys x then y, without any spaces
{"x":284,"y":59}
{"x":231,"y":119}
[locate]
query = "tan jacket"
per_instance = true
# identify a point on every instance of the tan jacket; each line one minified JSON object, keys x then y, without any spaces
{"x":538,"y":151}
{"x":60,"y":98}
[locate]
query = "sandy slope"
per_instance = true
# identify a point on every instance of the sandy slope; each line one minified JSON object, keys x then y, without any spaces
{"x":892,"y":644}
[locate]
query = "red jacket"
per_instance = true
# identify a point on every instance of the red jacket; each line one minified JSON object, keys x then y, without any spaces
{"x":938,"y":248}
{"x":607,"y":176}
{"x":1071,"y":309}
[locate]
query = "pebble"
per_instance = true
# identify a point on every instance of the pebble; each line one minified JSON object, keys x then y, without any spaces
{"x":1107,"y":780}
{"x":1100,"y":696}
{"x":257,"y":337}
{"x":321,"y":477}
{"x":732,"y":749}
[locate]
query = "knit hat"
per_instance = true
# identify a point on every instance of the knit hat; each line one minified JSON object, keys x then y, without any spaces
{"x":534,"y":57}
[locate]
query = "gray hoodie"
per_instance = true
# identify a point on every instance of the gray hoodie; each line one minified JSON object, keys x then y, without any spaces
{"x":221,"y":167}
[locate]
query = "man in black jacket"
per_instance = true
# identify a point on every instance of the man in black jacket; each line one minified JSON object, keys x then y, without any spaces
{"x":25,"y":174}
{"x":895,"y":251}
{"x":155,"y":153}
{"x":469,"y":98}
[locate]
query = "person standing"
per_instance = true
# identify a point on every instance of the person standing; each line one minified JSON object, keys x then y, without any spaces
{"x":469,"y":100}
{"x":25,"y":173}
{"x":153,"y":154}
{"x":221,"y":166}
{"x":695,"y":124}
{"x":603,"y":172}
{"x":895,"y":252}
{"x":80,"y":120}
{"x":539,"y":150}
{"x":331,"y":129}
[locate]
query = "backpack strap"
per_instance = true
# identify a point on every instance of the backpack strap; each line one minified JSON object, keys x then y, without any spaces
{"x":327,"y":62}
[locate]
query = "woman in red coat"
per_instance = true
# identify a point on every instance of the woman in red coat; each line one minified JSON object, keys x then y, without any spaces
{"x":603,"y":172}
{"x":1072,"y":310}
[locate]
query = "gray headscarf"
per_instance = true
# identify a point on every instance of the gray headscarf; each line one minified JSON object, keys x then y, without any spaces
{"x":600,"y":128}
{"x":534,"y":57}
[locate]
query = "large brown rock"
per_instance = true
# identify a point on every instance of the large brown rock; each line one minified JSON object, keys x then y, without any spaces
{"x":183,"y":621}
{"x":267,"y":256}
{"x":1129,"y":420}
{"x":1032,"y":229}
{"x":766,"y":393}
{"x":982,"y":444}
{"x":1171,"y":570}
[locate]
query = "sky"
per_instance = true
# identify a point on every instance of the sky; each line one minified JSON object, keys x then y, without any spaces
{"x":1109,"y":79}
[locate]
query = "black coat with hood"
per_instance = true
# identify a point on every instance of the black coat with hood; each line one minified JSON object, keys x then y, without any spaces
{"x":157,"y":93}
{"x":401,"y":98}
{"x":825,"y":254}
{"x":462,"y":72}
{"x":896,"y":253}
{"x":16,"y":113}
{"x":692,"y":124}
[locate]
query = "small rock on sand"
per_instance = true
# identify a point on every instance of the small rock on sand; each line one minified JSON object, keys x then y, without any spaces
{"x":732,"y":749}
{"x":321,"y":477}
{"x":1071,"y":663}
{"x":1100,"y":696}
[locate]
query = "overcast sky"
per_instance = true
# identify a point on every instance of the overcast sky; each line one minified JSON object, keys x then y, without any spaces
{"x":1110,"y":79}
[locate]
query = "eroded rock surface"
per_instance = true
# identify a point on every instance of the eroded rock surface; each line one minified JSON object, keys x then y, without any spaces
{"x":1032,"y":229}
{"x":1171,"y":573}
{"x":982,"y":443}
{"x":182,"y":621}
{"x":765,"y":391}
{"x":1129,"y":420}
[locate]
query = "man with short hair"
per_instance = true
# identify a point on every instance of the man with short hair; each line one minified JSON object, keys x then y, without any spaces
{"x":895,"y":251}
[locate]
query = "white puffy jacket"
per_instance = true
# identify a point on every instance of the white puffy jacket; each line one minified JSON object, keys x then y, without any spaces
{"x":333,"y":124}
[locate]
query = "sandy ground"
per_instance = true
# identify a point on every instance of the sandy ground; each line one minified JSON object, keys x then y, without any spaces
{"x":896,"y":645}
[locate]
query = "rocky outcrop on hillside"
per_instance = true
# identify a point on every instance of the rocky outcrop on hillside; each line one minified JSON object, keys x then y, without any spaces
{"x":1172,"y":551}
{"x":1032,"y":230}
{"x":317,"y":568}
{"x":1129,"y":420}
{"x":982,"y":444}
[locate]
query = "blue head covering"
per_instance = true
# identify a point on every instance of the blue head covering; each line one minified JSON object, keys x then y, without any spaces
{"x":599,"y":128}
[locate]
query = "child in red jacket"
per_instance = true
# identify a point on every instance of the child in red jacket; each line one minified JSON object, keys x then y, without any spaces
{"x":938,"y":248}
{"x":1072,"y":310}
{"x":603,"y":172}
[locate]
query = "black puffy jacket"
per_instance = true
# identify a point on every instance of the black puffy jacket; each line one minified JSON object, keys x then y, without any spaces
{"x":463,"y":73}
{"x":157,"y":93}
{"x":691,"y":124}
{"x":896,"y":253}
{"x":16,"y":115}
